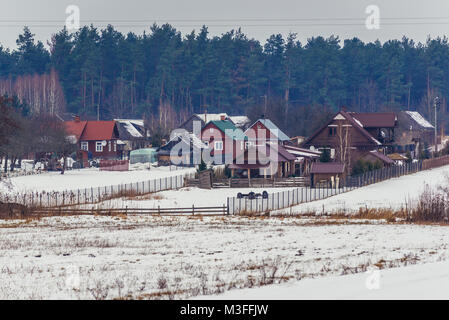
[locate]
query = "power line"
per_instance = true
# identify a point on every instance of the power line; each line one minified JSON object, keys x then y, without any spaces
{"x":218,"y":19}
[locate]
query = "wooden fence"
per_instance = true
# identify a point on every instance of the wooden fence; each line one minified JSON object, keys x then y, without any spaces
{"x":204,"y":211}
{"x":285,"y":199}
{"x":95,"y":194}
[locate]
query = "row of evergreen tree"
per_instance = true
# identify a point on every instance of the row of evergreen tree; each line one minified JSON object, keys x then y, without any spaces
{"x":112,"y":74}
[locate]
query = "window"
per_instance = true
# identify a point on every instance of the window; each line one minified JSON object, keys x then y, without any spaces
{"x":218,"y":145}
{"x":98,"y":146}
{"x":211,"y":130}
{"x":109,"y":149}
{"x":115,"y":146}
{"x":332,"y":131}
{"x":85,"y":145}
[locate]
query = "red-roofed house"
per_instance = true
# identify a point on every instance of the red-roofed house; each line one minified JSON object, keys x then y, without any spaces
{"x":98,"y":138}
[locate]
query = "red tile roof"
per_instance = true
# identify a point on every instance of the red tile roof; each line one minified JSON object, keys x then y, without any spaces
{"x":99,"y":130}
{"x":91,"y":130}
{"x":327,"y":167}
{"x":75,"y":128}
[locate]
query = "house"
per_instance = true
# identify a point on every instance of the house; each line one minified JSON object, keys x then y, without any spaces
{"x":264,"y":130}
{"x":351,"y":136}
{"x":413,"y":133}
{"x":225,"y":141}
{"x":240,"y":122}
{"x":132,"y":135}
{"x":304,"y":159}
{"x":327,"y":174}
{"x":187,"y":153}
{"x":347,"y":138}
{"x":96,"y":139}
{"x":272,"y":160}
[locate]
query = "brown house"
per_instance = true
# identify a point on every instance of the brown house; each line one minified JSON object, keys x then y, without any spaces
{"x":95,"y":138}
{"x":327,"y":174}
{"x":346,"y":138}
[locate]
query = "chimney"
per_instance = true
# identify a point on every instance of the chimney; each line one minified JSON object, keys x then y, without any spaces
{"x":77,"y":118}
{"x":205,"y":116}
{"x":222,"y":117}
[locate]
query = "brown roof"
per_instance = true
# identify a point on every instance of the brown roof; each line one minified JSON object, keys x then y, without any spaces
{"x":381,"y":157}
{"x":376,"y":120}
{"x":397,"y":156}
{"x":261,"y":158}
{"x":354,"y":122}
{"x":327,"y":167}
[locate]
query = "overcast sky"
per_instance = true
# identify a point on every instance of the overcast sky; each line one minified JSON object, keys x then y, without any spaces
{"x":258,"y":18}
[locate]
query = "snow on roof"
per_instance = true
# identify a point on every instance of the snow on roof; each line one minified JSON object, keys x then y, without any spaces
{"x":418,"y":118}
{"x":186,"y":137}
{"x":211,"y":116}
{"x":131,"y":129}
{"x":358,"y":122}
{"x":272,"y":128}
{"x":137,"y":122}
{"x":240,"y":121}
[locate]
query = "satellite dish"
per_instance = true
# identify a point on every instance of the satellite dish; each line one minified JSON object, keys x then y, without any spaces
{"x":104,"y":143}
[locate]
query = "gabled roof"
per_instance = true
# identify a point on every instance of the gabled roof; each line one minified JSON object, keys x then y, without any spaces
{"x":188,"y":139}
{"x":75,"y":128}
{"x":376,"y":120}
{"x":272,"y":128}
{"x":240,"y":121}
{"x":130,"y":129}
{"x":99,"y":130}
{"x":228,"y":128}
{"x":354,"y":122}
{"x":381,"y":157}
{"x":261,"y":159}
{"x":211,"y":116}
{"x":301,"y":152}
{"x":327,"y":167}
{"x":419,"y":119}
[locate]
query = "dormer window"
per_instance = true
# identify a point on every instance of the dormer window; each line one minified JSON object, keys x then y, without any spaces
{"x":332,"y":131}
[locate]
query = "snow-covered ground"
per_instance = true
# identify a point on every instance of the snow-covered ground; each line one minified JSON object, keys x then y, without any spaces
{"x":184,"y":198}
{"x":417,"y":282}
{"x":394,"y":193}
{"x":149,"y":257}
{"x":85,"y":178}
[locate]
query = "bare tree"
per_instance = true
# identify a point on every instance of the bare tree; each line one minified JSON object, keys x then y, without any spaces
{"x":343,"y":147}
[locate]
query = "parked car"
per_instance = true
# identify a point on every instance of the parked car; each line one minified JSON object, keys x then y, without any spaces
{"x":252,"y":195}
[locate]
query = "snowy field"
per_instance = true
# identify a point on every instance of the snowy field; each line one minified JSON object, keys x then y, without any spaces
{"x":144,"y":257}
{"x":85,"y":178}
{"x":419,"y":282}
{"x":394,"y":193}
{"x":183,"y":198}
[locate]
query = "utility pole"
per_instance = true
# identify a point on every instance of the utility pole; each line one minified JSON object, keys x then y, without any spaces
{"x":435,"y":103}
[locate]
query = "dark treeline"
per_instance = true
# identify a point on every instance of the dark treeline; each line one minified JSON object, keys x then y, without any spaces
{"x":168,"y":76}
